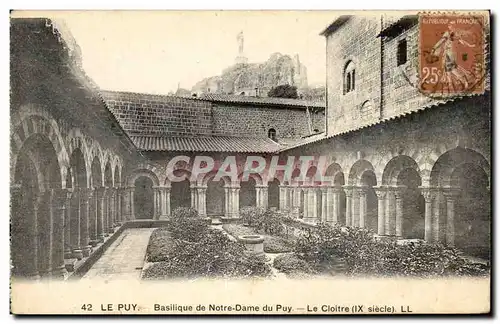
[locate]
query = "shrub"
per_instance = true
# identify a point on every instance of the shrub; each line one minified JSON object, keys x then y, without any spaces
{"x":251,"y":215}
{"x":290,"y":264}
{"x":363,"y":254}
{"x":184,"y":212}
{"x":160,"y":247}
{"x":276,"y":245}
{"x":213,"y":255}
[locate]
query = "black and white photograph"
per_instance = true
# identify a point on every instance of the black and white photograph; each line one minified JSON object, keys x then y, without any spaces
{"x":222,"y":162}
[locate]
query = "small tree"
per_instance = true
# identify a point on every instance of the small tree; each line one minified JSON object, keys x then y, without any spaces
{"x":283,"y":91}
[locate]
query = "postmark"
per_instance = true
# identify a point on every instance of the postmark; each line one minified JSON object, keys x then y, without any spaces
{"x":451,"y":54}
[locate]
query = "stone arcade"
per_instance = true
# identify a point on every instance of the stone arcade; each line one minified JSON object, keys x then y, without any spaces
{"x":85,"y":161}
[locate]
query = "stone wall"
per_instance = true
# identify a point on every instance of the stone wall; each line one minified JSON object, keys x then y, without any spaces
{"x":354,"y":41}
{"x":256,"y":121}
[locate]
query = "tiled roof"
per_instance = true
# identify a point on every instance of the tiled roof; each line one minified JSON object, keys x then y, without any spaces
{"x":206,"y":144}
{"x":299,"y":103}
{"x":398,"y":26}
{"x":335,"y":25}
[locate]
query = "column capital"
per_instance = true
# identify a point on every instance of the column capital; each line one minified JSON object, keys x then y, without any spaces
{"x":86,"y":193}
{"x":265,"y":186}
{"x":348,"y":190}
{"x":427,"y":192}
{"x":380,"y":191}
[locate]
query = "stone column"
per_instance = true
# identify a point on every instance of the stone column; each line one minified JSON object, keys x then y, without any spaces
{"x":93,"y":216}
{"x":109,"y":201}
{"x":227,"y":202}
{"x":163,"y":202}
{"x":202,"y":204}
{"x":68,"y":253}
{"x":45,"y":234}
{"x":131,"y":202}
{"x":194,"y":202}
{"x":168,"y":212}
{"x":118,"y":206}
{"x":312,"y":206}
{"x":399,"y":191}
{"x":362,"y":206}
{"x":436,"y":217}
{"x":325,"y":202}
{"x":58,"y":201}
{"x":348,"y":205}
{"x":331,"y":215}
{"x":336,"y":191}
{"x":428,"y":196}
{"x":101,"y":197}
{"x":355,"y":207}
{"x":236,"y":202}
{"x":390,"y":212}
{"x":381,"y":198}
{"x":86,"y":197}
{"x":451,"y":194}
{"x":76,"y":217}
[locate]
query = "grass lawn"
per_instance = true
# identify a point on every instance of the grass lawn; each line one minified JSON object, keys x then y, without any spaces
{"x":272,"y":244}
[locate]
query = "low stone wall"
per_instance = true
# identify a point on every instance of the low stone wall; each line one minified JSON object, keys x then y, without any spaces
{"x":82,"y":268}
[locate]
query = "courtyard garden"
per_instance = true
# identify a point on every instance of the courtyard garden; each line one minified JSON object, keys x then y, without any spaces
{"x":189,"y":247}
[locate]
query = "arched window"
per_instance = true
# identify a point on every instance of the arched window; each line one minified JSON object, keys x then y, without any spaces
{"x":349,"y":77}
{"x":271,"y":133}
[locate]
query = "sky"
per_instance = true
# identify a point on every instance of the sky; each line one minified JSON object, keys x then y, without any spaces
{"x":155,"y":51}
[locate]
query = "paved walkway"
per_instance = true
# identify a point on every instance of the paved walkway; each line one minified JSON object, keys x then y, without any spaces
{"x":124,"y":258}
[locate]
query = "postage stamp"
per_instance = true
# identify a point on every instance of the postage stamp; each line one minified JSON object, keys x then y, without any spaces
{"x":452,"y":54}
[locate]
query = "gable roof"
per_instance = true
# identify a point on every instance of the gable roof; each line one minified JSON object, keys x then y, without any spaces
{"x":262,"y":101}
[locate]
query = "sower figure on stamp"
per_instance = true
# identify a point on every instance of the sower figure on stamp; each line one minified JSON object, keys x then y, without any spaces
{"x":445,"y":48}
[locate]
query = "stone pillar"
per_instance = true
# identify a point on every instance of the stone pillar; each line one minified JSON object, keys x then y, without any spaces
{"x":68,"y":253}
{"x":399,"y":191}
{"x":311,"y":205}
{"x":45,"y":234}
{"x":58,"y":206}
{"x":118,"y":206}
{"x":282,"y":201}
{"x":355,"y":207}
{"x":76,"y":217}
{"x":348,"y":205}
{"x":390,"y":212}
{"x":86,"y":197}
{"x":168,"y":212}
{"x":109,"y":201}
{"x":202,"y":202}
{"x":93,"y":216}
{"x":163,"y":202}
{"x":325,"y":203}
{"x":194,"y":203}
{"x":362,"y":206}
{"x":381,"y":198}
{"x":428,"y":196}
{"x":131,"y":202}
{"x":451,"y":194}
{"x":101,"y":197}
{"x":227,"y":202}
{"x":331,"y":204}
{"x":436,"y":217}
{"x":236,"y":202}
{"x":336,"y":191}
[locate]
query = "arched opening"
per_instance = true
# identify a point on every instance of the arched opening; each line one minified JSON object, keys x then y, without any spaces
{"x":368,"y":181}
{"x":274,"y":193}
{"x":116,"y":179}
{"x":247,"y":193}
{"x":271,"y":133}
{"x":468,"y":171}
{"x":216,"y":198}
{"x":180,"y":194}
{"x":143,"y":198}
{"x":37,"y":171}
{"x":413,"y":204}
{"x":472,"y":210}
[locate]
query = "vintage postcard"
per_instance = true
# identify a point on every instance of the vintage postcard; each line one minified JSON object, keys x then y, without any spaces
{"x":250,"y":162}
